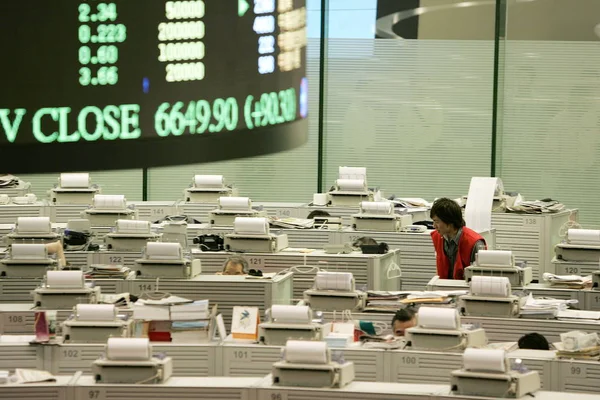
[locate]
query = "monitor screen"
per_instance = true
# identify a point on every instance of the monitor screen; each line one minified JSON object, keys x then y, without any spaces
{"x":92,"y":85}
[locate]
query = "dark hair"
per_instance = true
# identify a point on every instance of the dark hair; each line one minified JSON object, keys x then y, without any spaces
{"x":318,"y":213}
{"x":404,"y":315}
{"x":448,"y":211}
{"x":365,"y":240}
{"x":236,"y":260}
{"x":534,"y":341}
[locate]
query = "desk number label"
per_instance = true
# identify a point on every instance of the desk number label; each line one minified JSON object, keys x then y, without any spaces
{"x":410,"y":361}
{"x":595,"y":302}
{"x":278,"y":396}
{"x":115,"y":260}
{"x":529,"y":221}
{"x":145,"y":287}
{"x":284,"y":213}
{"x":95,"y":394}
{"x":14,"y":319}
{"x":576,"y":371}
{"x":571,"y":270}
{"x":156,"y":212}
{"x":241,"y":355}
{"x":71,"y":354}
{"x":256,"y":262}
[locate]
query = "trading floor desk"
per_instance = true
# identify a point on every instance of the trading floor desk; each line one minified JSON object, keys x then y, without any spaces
{"x":240,"y":359}
{"x":188,"y":359}
{"x":299,"y":238}
{"x":531,"y":237}
{"x":224,"y":388}
{"x":497,"y":329}
{"x":176,"y":388}
{"x":346,"y":213}
{"x":17,"y":314}
{"x":10,"y":212}
{"x":388,"y":391}
{"x":201,"y":211}
{"x":19,"y":290}
{"x":227,"y":291}
{"x":375,"y":271}
{"x":21,"y":355}
{"x":418,"y":255}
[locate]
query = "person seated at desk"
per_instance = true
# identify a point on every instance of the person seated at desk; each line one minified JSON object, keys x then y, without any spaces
{"x":534,"y":341}
{"x":455,"y":245}
{"x":57,"y":248}
{"x":235,"y":266}
{"x":318,"y":213}
{"x":404,"y":319}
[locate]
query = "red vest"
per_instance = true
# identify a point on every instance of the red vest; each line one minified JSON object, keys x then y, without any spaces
{"x":467,"y":241}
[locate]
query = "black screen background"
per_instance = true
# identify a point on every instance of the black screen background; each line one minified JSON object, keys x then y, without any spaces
{"x":40,"y":68}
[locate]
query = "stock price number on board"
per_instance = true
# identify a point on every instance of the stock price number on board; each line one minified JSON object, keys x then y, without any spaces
{"x":112,"y":33}
{"x":102,"y":12}
{"x":104,"y":76}
{"x":270,"y":108}
{"x":196,"y":117}
{"x":104,"y":55}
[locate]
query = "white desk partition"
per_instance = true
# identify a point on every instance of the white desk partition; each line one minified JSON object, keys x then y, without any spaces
{"x":154,"y":210}
{"x":58,"y":390}
{"x":531,"y":237}
{"x":225,"y":388}
{"x":10,"y":212}
{"x":578,"y":376}
{"x":370,"y":270}
{"x":297,"y":238}
{"x":389,"y":391}
{"x":21,"y":189}
{"x":410,"y":366}
{"x":19,"y":290}
{"x":543,"y":362}
{"x":21,"y":355}
{"x":227,"y":291}
{"x":176,"y":388}
{"x":496,"y":329}
{"x":126,"y":258}
{"x":198,"y":211}
{"x":583,"y":268}
{"x":591,"y":299}
{"x":188,"y":359}
{"x":257,"y":360}
{"x":62,"y":213}
{"x":201,"y":211}
{"x":80,"y":259}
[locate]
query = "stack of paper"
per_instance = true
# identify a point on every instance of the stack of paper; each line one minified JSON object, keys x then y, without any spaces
{"x":190,"y":331}
{"x":106,"y":271}
{"x":190,"y":311}
{"x":291,"y":222}
{"x":544,"y":308}
{"x":568,"y":281}
{"x":384,"y":301}
{"x":536,"y":207}
{"x":590,"y":353}
{"x":8,"y":181}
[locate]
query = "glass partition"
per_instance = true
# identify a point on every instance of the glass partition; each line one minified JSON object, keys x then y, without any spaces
{"x":550,"y":137}
{"x":409,"y":93}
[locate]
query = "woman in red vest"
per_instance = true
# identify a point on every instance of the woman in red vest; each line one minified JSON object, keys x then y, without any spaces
{"x":455,"y":244}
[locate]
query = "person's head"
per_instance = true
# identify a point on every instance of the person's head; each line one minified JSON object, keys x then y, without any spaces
{"x":403,"y":319}
{"x":365,"y":240}
{"x":235,"y":266}
{"x":534,"y":341}
{"x":446,"y":216}
{"x":318,"y":213}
